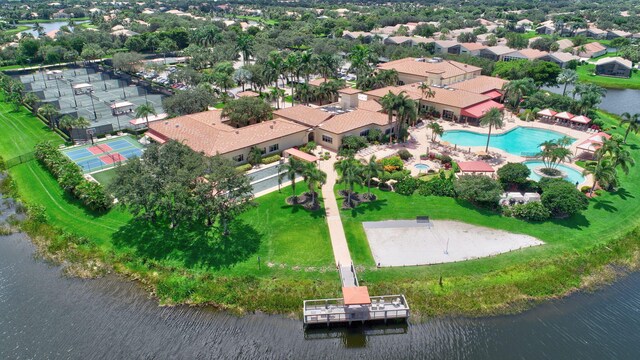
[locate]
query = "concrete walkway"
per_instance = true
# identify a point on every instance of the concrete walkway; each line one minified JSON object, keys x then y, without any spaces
{"x":336,"y":231}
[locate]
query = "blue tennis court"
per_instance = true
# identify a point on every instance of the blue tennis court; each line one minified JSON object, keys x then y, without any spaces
{"x":104,"y":154}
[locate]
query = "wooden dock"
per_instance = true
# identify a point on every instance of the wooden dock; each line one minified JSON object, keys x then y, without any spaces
{"x":334,"y":311}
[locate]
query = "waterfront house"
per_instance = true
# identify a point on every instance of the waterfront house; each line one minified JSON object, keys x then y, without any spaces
{"x":614,"y":66}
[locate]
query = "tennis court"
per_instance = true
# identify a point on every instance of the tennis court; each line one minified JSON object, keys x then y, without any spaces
{"x":104,"y":154}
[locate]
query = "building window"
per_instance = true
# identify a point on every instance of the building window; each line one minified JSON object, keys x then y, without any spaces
{"x":263,"y":150}
{"x":238,"y":158}
{"x":274,"y":147}
{"x":364,"y":133}
{"x":327,"y":139}
{"x":447,"y":115}
{"x":389,"y":131}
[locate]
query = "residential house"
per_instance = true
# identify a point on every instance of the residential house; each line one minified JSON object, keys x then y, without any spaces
{"x":561,"y":58}
{"x":471,"y":48}
{"x":496,"y":53}
{"x":524,"y":24}
{"x":592,"y":32}
{"x":590,"y":50}
{"x":485,"y":85}
{"x":434,"y":71}
{"x":614,"y":66}
{"x":446,"y":47}
{"x":612,"y":34}
{"x":546,"y":29}
{"x":564,"y":44}
{"x":524,"y":54}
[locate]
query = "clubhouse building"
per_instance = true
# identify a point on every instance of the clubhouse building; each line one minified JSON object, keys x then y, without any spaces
{"x":459,"y":92}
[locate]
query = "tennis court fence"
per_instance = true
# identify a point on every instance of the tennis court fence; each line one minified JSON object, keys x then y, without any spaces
{"x":20,"y":159}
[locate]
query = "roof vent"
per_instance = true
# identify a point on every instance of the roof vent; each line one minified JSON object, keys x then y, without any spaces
{"x":166,"y":123}
{"x":237,"y":131}
{"x":271,"y":126}
{"x":177,"y":125}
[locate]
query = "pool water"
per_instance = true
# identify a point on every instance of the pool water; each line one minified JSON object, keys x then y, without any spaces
{"x":421,"y":166}
{"x":523,"y":141}
{"x":573,"y":175}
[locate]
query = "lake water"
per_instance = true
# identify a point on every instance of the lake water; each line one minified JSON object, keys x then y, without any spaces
{"x":617,"y":101}
{"x":48,"y":26}
{"x":46,"y":315}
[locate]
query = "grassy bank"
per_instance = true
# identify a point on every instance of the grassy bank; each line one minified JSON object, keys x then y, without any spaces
{"x":17,"y":29}
{"x":586,"y":74}
{"x":43,"y":21}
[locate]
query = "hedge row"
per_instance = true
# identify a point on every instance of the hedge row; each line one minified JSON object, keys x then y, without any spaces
{"x":70,"y":178}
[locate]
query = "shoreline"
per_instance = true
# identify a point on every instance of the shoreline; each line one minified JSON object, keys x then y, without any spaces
{"x":594,"y":275}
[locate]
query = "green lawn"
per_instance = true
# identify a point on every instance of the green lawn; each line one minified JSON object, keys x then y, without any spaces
{"x":586,"y":74}
{"x":17,"y":29}
{"x":258,"y":19}
{"x":292,"y":244}
{"x":105,"y":177}
{"x":21,"y":131}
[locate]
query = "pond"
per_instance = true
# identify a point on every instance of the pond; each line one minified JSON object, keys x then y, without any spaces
{"x":616,"y":101}
{"x":46,"y":315}
{"x":51,"y":26}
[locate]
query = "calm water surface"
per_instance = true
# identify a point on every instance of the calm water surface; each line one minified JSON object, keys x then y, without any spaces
{"x":616,"y":101}
{"x":44,"y":315}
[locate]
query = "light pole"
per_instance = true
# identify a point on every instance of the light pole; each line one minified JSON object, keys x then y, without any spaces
{"x":117,"y":117}
{"x":43,"y":79}
{"x":124,"y":95}
{"x":58,"y":86}
{"x":93,"y":105}
{"x":73,"y":91}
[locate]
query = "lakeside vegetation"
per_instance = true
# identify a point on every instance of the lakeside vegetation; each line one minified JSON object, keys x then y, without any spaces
{"x":586,"y":73}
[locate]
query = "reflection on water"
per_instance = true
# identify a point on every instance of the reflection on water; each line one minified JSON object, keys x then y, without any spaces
{"x":45,"y":315}
{"x":616,"y":101}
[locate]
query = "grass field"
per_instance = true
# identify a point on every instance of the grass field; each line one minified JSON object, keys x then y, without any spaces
{"x":105,"y":177}
{"x":586,"y":74}
{"x":17,"y":29}
{"x":42,"y":21}
{"x":258,"y":19}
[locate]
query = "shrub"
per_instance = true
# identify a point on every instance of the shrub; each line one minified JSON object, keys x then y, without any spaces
{"x":407,"y":186}
{"x":243,"y":168}
{"x":478,"y":189}
{"x":309,"y":147}
{"x":391,"y":164}
{"x":438,"y":186}
{"x":531,"y":211}
{"x":70,"y":178}
{"x":585,"y":189}
{"x":562,"y":199}
{"x":514,"y":174}
{"x":270,"y":159}
{"x":404,"y":154}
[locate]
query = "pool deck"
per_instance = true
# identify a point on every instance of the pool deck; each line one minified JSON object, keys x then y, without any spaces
{"x":422,"y":144}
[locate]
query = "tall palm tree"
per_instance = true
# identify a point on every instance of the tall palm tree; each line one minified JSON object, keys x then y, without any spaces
{"x":293,"y":68}
{"x":50,"y":113}
{"x":407,"y":112}
{"x":427,"y":91}
{"x":307,"y":61}
{"x":314,"y":178}
{"x":634,"y":124}
{"x":371,"y":170}
{"x":436,"y":130}
{"x":604,"y":173}
{"x":350,"y":175}
{"x":30,"y":99}
{"x":274,"y":67}
{"x":566,"y":77}
{"x":143,"y":111}
{"x":244,"y":45}
{"x":38,"y":29}
{"x":290,"y":169}
{"x":389,"y":104}
{"x":326,"y":65}
{"x":515,"y":90}
{"x":493,"y":119}
{"x":362,"y":58}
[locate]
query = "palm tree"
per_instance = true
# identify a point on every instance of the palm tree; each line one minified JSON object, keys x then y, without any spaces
{"x":307,"y":61}
{"x":361,"y":58}
{"x":30,"y":99}
{"x":38,"y":29}
{"x":371,"y":170}
{"x":515,"y":90}
{"x":68,"y":122}
{"x":436,"y":130}
{"x":314,"y":178}
{"x":143,"y":111}
{"x":492,"y":118}
{"x":350,"y":175}
{"x":604,"y":173}
{"x":326,"y":65}
{"x":389,"y":104}
{"x":427,"y":91}
{"x":255,"y":156}
{"x":293,"y":68}
{"x":554,"y":152}
{"x":244,"y":44}
{"x":407,"y":112}
{"x":566,"y":77}
{"x":49,"y":112}
{"x":291,"y":168}
{"x":634,"y":124}
{"x":274,"y":67}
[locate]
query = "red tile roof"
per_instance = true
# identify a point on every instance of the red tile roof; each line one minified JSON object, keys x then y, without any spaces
{"x":303,"y":114}
{"x":477,"y":111}
{"x":475,"y":166}
{"x":356,"y":295}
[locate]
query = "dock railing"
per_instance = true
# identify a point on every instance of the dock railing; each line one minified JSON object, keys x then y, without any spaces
{"x":328,"y":311}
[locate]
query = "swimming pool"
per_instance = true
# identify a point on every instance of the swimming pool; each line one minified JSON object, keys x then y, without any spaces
{"x":573,"y":175}
{"x":524,"y":141}
{"x":421,"y":167}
